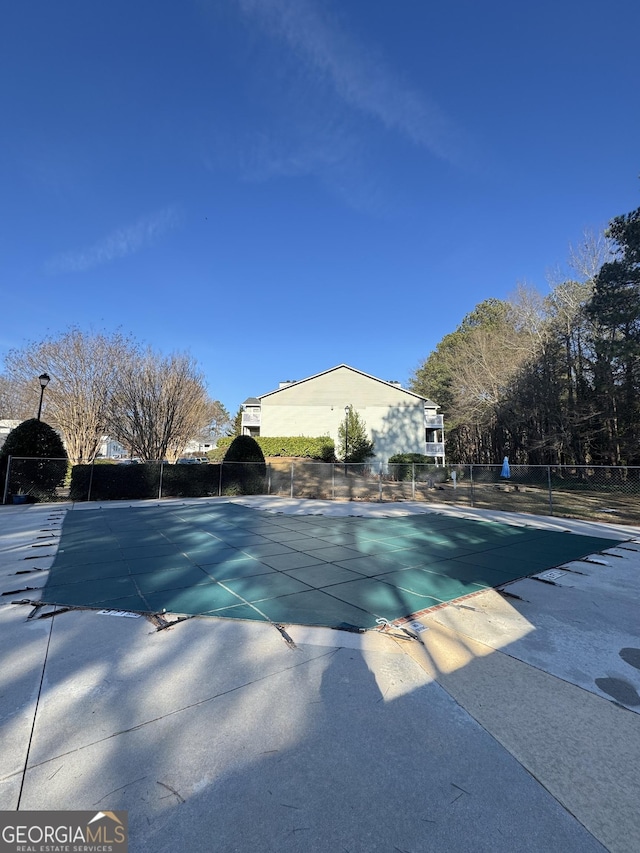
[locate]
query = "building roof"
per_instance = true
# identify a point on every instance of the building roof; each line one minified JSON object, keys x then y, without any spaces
{"x":430,"y":403}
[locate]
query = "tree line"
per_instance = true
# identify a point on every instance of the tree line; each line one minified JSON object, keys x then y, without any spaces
{"x":549,"y":379}
{"x":553,"y":379}
{"x":109,"y":384}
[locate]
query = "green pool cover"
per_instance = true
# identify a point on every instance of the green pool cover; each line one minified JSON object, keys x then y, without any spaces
{"x":225,"y":559}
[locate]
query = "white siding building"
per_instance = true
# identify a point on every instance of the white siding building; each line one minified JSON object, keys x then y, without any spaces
{"x":397,"y":420}
{"x":5,"y":428}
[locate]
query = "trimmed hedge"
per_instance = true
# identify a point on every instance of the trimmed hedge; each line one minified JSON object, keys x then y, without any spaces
{"x":404,"y":463}
{"x":244,"y":469}
{"x":412,"y":458}
{"x":129,"y":482}
{"x":299,"y":446}
{"x":113,"y":482}
{"x":190,"y":481}
{"x":39,"y":465}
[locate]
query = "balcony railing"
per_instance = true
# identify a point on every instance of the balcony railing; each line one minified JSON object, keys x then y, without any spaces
{"x":251,"y":419}
{"x":434,"y":421}
{"x":434,"y":448}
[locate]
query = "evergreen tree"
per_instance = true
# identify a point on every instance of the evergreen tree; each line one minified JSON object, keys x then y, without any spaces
{"x":614,"y":310}
{"x":354,"y":444}
{"x":39,"y":460}
{"x":244,"y":467}
{"x":235,"y":427}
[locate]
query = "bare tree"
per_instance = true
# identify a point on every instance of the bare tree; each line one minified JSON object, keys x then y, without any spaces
{"x":488,"y":362}
{"x":594,"y":250}
{"x":17,"y":401}
{"x":82,"y":367}
{"x":219,"y":419}
{"x":158,"y":405}
{"x":527,"y":315}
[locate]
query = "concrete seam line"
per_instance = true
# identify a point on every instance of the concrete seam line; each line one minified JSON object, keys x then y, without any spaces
{"x":35,"y":714}
{"x":175,"y":711}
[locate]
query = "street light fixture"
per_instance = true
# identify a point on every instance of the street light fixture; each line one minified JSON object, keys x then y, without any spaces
{"x":44,"y":381}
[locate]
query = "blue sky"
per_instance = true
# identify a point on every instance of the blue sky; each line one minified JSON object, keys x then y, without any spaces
{"x":281,"y":186}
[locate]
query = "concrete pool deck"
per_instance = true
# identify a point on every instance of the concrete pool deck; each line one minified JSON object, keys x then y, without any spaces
{"x":505,"y":723}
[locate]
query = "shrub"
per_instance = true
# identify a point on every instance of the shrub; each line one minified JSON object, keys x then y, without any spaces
{"x":417,"y":458}
{"x":244,"y":468}
{"x":113,"y":482}
{"x":244,"y":448}
{"x":190,"y":481}
{"x":127,"y":482}
{"x":44,"y":464}
{"x":300,"y":446}
{"x":404,"y":463}
{"x":217,"y":454}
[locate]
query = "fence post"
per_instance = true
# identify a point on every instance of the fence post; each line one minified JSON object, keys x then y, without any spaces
{"x":90,"y":481}
{"x":6,"y":480}
{"x":380,"y":484}
{"x":550,"y":492}
{"x":413,"y":481}
{"x":268,"y":478}
{"x":292,"y":481}
{"x":160,"y":483}
{"x":333,"y":481}
{"x":220,"y":479}
{"x":471,"y":482}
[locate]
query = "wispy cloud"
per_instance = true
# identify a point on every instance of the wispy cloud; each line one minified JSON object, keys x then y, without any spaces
{"x":124,"y":241}
{"x":362,"y":81}
{"x":334,"y":156}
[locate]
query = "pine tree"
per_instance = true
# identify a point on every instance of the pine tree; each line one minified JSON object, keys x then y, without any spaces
{"x":354,"y":444}
{"x":615,"y":312}
{"x":235,"y":427}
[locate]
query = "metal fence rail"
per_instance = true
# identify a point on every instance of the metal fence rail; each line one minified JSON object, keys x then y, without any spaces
{"x":599,"y":493}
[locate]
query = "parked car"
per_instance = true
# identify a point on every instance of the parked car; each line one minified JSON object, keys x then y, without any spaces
{"x":203,"y":459}
{"x":188,"y":460}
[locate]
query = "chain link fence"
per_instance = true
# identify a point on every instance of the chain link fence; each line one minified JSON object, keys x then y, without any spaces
{"x":597,"y":493}
{"x":35,"y":479}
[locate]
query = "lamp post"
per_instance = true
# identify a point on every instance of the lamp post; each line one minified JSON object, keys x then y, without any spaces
{"x":44,"y":381}
{"x":346,"y":435}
